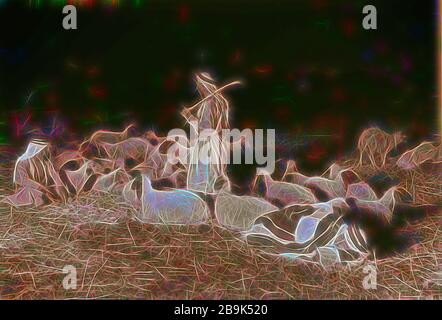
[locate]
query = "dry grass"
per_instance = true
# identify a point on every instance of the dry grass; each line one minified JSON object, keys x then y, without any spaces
{"x":423,"y":184}
{"x":118,"y":257}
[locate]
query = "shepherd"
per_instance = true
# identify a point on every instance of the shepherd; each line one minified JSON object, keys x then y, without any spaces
{"x":208,"y":153}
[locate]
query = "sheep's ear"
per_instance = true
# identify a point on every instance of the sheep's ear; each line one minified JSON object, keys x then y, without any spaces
{"x":361,"y":190}
{"x":259,"y":186}
{"x":262,"y":172}
{"x":400,"y":137}
{"x":333,"y":171}
{"x":130,"y":194}
{"x":129,"y":131}
{"x":349,"y":177}
{"x":291,"y":167}
{"x":389,"y":201}
{"x":146,"y":183}
{"x":78,"y":178}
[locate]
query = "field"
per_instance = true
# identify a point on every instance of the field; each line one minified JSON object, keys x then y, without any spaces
{"x":116,"y":256}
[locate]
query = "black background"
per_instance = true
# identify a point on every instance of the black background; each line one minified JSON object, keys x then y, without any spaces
{"x":308,"y":68}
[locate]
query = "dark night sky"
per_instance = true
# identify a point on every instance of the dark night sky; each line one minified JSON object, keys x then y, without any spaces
{"x":308,"y":67}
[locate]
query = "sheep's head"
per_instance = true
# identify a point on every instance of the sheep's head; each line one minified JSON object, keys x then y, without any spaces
{"x":398,"y":138}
